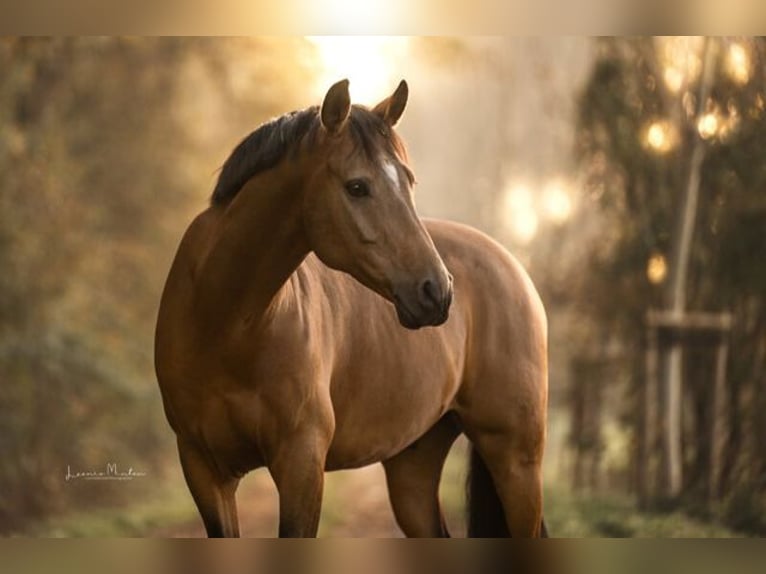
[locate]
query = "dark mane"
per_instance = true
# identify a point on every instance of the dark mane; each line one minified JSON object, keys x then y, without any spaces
{"x":261,"y":150}
{"x":270,"y":143}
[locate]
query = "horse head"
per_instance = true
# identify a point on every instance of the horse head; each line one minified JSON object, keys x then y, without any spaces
{"x":359,"y":211}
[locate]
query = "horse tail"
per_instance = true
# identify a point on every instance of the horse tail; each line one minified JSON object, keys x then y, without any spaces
{"x":486,"y":518}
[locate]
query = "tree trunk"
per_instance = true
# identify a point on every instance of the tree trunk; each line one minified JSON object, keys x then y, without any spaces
{"x":676,"y":294}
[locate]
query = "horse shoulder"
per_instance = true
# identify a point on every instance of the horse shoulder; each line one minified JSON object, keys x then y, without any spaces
{"x":296,"y":321}
{"x":496,"y":293}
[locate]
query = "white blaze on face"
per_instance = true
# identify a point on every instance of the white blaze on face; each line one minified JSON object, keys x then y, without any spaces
{"x":391,"y":172}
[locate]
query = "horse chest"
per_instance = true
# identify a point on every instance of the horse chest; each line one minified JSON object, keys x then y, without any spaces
{"x":382,"y":409}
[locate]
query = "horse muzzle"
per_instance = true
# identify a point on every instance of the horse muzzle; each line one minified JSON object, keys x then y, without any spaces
{"x":426,"y":304}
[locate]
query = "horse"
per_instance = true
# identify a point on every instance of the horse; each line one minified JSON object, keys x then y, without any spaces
{"x":309,"y":323}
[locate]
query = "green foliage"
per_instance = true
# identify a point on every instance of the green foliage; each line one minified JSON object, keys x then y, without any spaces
{"x":107,"y":149}
{"x":746,"y":509}
{"x":635,"y":190}
{"x":574,"y":515}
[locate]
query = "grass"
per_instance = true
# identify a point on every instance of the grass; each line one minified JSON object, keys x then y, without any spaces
{"x":577,"y":515}
{"x":168,"y":506}
{"x":573,"y":515}
{"x":354,"y":506}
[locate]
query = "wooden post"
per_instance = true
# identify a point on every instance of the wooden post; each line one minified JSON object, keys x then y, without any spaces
{"x":586,"y":399}
{"x":671,"y":329}
{"x":676,"y":289}
{"x":650,"y":420}
{"x":671,"y":427}
{"x":597,"y":377}
{"x":719,"y":432}
{"x":577,"y":425}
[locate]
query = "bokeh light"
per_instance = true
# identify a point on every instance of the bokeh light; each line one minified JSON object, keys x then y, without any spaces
{"x":738,"y":63}
{"x":656,"y":269}
{"x":660,"y":136}
{"x":519,"y":213}
{"x":681,"y":57}
{"x":674,"y":79}
{"x":708,"y":125}
{"x":557,"y":202}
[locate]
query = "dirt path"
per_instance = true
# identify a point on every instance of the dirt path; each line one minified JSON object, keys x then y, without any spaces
{"x":355,"y":505}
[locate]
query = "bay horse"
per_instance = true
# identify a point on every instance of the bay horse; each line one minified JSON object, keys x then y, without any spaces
{"x":308,"y":324}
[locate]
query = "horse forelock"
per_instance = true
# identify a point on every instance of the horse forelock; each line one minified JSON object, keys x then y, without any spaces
{"x":378,"y":141}
{"x":375,"y":136}
{"x":268,"y":144}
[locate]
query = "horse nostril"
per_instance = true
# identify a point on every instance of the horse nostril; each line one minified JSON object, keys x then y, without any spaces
{"x":428,"y":294}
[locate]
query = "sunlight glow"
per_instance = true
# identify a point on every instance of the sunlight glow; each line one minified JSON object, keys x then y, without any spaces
{"x":738,"y":64}
{"x":519,"y":213}
{"x":355,"y":16}
{"x":372,"y":64}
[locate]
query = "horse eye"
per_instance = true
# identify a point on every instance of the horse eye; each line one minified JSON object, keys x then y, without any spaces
{"x":357,"y":188}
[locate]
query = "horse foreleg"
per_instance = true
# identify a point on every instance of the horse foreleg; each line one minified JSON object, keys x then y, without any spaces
{"x":298,"y":473}
{"x":413,"y":478}
{"x":213,"y":494}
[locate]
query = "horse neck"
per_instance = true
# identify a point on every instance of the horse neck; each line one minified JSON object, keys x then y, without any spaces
{"x":259,"y":243}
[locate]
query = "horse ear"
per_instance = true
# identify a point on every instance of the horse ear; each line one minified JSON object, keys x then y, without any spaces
{"x":336,"y":107}
{"x":392,"y":108}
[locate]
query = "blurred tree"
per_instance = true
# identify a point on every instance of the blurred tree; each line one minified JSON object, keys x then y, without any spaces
{"x":640,"y":119}
{"x":107,"y":149}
